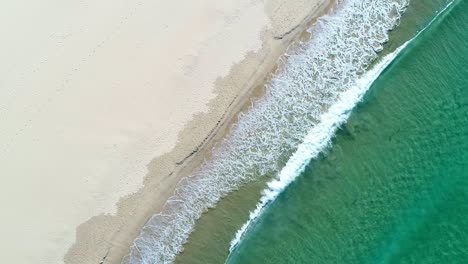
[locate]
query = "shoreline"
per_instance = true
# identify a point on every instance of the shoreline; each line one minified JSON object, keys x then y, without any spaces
{"x":113,"y":103}
{"x":266,"y":60}
{"x":347,"y":162}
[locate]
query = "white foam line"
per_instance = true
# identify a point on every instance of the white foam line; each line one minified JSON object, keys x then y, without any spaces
{"x":318,"y":138}
{"x":311,"y":77}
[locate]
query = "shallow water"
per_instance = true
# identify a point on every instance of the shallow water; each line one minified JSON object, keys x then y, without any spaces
{"x":393,"y":188}
{"x":309,"y":82}
{"x":209,"y":243}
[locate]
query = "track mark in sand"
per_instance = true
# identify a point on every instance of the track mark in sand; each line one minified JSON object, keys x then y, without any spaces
{"x":67,"y":79}
{"x":210,"y":134}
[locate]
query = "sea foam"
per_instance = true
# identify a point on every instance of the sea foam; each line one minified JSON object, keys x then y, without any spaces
{"x":315,"y":81}
{"x":318,"y":138}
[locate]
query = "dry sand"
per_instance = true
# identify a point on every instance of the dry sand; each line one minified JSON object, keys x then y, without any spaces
{"x":105,"y":105}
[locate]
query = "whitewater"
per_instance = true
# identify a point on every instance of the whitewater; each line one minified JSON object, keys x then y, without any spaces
{"x":317,"y":140}
{"x":320,"y":136}
{"x":317,"y":84}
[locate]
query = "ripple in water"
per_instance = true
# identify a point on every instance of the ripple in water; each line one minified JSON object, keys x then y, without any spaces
{"x":309,"y":80}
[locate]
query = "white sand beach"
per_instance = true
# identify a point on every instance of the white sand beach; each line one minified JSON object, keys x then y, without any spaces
{"x":105,"y":104}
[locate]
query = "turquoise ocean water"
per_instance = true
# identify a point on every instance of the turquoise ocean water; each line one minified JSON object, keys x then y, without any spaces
{"x":390,"y":185}
{"x":393,"y":187}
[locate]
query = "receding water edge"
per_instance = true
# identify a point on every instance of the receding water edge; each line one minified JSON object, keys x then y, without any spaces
{"x":265,"y":135}
{"x":320,"y":136}
{"x":392,"y":189}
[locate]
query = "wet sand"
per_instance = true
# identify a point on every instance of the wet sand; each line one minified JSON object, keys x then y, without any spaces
{"x":106,"y":106}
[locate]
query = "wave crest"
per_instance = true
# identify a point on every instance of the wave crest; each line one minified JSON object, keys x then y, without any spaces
{"x":310,"y":79}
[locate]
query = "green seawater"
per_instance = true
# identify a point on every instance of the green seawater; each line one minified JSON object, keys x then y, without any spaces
{"x":338,"y":211}
{"x":393,"y":187}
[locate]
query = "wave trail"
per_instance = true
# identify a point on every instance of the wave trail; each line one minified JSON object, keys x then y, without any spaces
{"x":310,"y":79}
{"x":318,"y":138}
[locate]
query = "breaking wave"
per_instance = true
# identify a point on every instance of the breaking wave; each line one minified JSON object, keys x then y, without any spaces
{"x":301,"y":97}
{"x":319,"y":137}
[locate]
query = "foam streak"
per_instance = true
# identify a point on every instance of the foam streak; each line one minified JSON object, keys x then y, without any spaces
{"x":301,"y":97}
{"x":318,"y":138}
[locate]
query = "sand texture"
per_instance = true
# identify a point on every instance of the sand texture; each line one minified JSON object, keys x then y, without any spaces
{"x":106,"y":105}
